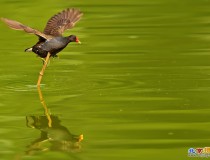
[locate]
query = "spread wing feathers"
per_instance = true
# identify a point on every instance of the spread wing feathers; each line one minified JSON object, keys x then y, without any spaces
{"x":19,"y":26}
{"x":62,"y":21}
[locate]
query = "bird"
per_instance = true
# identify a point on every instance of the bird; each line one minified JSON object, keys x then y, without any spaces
{"x":51,"y":41}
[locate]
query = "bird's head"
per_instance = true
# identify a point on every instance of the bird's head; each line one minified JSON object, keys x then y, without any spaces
{"x":73,"y":38}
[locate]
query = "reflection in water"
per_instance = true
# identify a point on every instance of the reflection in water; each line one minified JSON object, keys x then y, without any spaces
{"x":54,"y":136}
{"x":45,"y":107}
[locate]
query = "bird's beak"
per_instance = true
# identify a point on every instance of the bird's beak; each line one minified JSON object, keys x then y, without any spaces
{"x":80,"y":138}
{"x":77,"y":40}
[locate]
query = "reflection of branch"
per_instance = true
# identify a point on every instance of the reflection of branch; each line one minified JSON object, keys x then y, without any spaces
{"x":45,"y":107}
{"x":53,"y":135}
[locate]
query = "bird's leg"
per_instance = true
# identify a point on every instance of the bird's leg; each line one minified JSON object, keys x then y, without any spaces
{"x":55,"y":56}
{"x":43,"y":61}
{"x":41,"y":73}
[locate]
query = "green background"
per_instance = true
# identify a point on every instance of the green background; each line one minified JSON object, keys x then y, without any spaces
{"x":138,"y":87}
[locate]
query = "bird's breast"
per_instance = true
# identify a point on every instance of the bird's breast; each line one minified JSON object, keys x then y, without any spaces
{"x":54,"y":44}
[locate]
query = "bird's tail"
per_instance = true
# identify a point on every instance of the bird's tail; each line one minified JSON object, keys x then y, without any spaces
{"x":28,"y":50}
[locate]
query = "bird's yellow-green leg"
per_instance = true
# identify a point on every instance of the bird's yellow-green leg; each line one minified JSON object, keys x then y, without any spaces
{"x":55,"y":56}
{"x":43,"y":60}
{"x":41,"y":73}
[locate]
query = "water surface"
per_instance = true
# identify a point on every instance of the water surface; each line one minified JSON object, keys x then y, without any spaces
{"x":137,"y":87}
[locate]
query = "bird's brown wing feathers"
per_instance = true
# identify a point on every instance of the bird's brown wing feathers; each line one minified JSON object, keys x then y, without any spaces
{"x":62,"y":21}
{"x":19,"y":26}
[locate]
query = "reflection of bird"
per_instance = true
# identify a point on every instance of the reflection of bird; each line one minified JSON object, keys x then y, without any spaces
{"x":58,"y":136}
{"x":51,"y":40}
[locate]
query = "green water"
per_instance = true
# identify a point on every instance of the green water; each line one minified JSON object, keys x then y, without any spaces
{"x":138,"y":87}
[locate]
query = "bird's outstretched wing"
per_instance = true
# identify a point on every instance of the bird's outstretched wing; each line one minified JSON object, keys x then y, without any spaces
{"x":62,"y":21}
{"x":19,"y":26}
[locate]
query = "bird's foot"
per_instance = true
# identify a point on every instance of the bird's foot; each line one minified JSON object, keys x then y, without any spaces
{"x":56,"y":56}
{"x":44,"y":61}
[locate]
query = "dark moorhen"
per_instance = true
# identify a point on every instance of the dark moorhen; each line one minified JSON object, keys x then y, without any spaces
{"x":51,"y":40}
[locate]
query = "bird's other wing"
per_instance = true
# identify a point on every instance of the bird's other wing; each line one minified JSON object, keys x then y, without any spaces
{"x":19,"y":26}
{"x":62,"y":21}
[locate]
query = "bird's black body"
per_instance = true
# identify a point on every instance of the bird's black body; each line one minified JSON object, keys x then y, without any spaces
{"x":51,"y":40}
{"x":54,"y":45}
